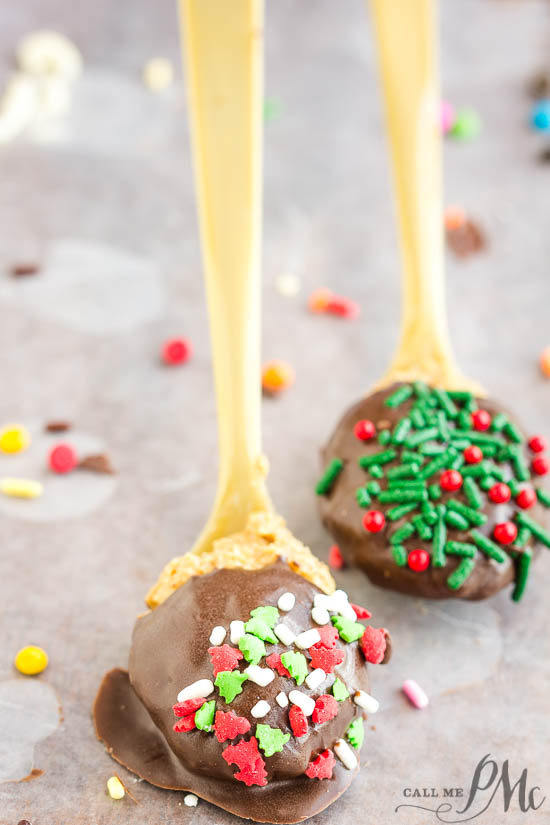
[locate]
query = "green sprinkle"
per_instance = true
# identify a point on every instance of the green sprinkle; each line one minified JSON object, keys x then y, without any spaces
{"x":363,"y":497}
{"x":349,"y":631}
{"x":436,"y":464}
{"x":489,"y":450}
{"x":271,"y":740}
{"x":356,"y":733}
{"x":403,"y":471}
{"x":252,"y":648}
{"x":463,"y":396}
{"x":543,"y":496}
{"x":399,"y":396}
{"x":376,"y":471}
{"x":521,"y":470}
{"x":487,"y":482}
{"x":536,"y":529}
{"x":372,"y":487}
{"x":495,"y":471}
{"x":475,"y":437}
{"x":434,"y":492}
{"x":399,"y":555}
{"x":513,"y":484}
{"x":259,"y":628}
{"x":415,"y":439}
{"x":401,"y":495}
{"x":401,"y":510}
{"x":464,"y":420}
{"x":402,"y":533}
{"x":424,"y":530}
{"x":472,"y":493}
{"x":439,"y":539}
{"x":382,"y":457}
{"x":296,"y":664}
{"x":417,"y":418}
{"x":446,"y":403}
{"x":476,"y":470}
{"x":422,"y":391}
{"x":326,"y":482}
{"x":444,"y":433}
{"x":267,"y":613}
{"x":204,"y":717}
{"x":429,"y":512}
{"x":499,"y":422}
{"x":522,"y":574}
{"x":401,"y":430}
{"x":339,"y":690}
{"x":460,"y":548}
{"x":272,"y":109}
{"x":487,"y":546}
{"x":471,"y":405}
{"x":384,"y":437}
{"x":473,"y":516}
{"x":456,"y":462}
{"x":513,"y":432}
{"x":229,"y":683}
{"x":455,"y":520}
{"x":523,"y":536}
{"x":406,"y":484}
{"x":459,"y":576}
{"x":431,"y":449}
{"x":460,"y":443}
{"x":409,"y":457}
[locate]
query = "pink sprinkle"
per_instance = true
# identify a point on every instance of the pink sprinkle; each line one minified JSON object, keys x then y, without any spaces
{"x":447,"y":116}
{"x":415,"y":694}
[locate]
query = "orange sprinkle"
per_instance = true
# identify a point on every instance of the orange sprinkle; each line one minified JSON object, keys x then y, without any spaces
{"x":455,"y":217}
{"x":277,"y":376}
{"x":320,"y":299}
{"x":545,"y":361}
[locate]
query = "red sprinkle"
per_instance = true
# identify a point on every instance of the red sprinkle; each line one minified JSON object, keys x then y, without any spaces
{"x":298,"y":721}
{"x":335,"y":558}
{"x":186,"y":724}
{"x":418,"y":560}
{"x":343,"y":307}
{"x":326,"y":659}
{"x":538,"y":444}
{"x":499,"y":493}
{"x":176,"y":351}
{"x":247,"y":757}
{"x":187,"y":707}
{"x":526,"y":498}
{"x":62,"y":458}
{"x":229,"y":725}
{"x":326,"y":708}
{"x":373,"y":644}
{"x":274,"y":662}
{"x":322,"y":767}
{"x":540,"y":465}
{"x":361,"y":612}
{"x":481,"y":420}
{"x":450,"y":480}
{"x":473,"y":455}
{"x":374,"y":521}
{"x":329,"y":636}
{"x":364,"y":430}
{"x":224,"y":658}
{"x":505,"y":532}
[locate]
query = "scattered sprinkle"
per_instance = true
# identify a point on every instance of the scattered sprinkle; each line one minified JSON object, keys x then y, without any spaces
{"x":158,"y":74}
{"x":277,"y":376}
{"x":286,"y":602}
{"x":335,"y":558}
{"x":326,"y":482}
{"x":320,"y":615}
{"x":115,"y":788}
{"x":303,"y":701}
{"x":282,"y":700}
{"x":191,"y":800}
{"x":356,"y":733}
{"x":218,"y":635}
{"x":545,"y":361}
{"x":261,"y":708}
{"x":57,"y":426}
{"x":197,"y":690}
{"x":315,"y":678}
{"x":14,"y":439}
{"x":62,"y":458}
{"x":236,"y":630}
{"x":373,"y":644}
{"x":23,"y":269}
{"x":287,"y":284}
{"x":284,"y":634}
{"x":308,"y":638}
{"x":323,"y":300}
{"x":31,"y":660}
{"x":176,"y":351}
{"x":466,"y":126}
{"x":259,"y":675}
{"x":339,"y":690}
{"x":21,"y":487}
{"x":415,"y":694}
{"x":97,"y":463}
{"x":366,"y":701}
{"x":345,"y":755}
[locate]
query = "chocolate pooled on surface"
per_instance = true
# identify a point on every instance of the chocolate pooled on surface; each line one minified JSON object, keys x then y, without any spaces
{"x":134,"y":713}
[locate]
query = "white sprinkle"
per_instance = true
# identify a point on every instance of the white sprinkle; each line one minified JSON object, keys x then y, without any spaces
{"x":315,"y":678}
{"x":198,"y":690}
{"x":218,"y":635}
{"x":115,"y":788}
{"x":304,"y":702}
{"x":260,"y":709}
{"x":288,"y":285}
{"x":282,"y":700}
{"x":366,"y":701}
{"x":191,"y":800}
{"x":236,"y":630}
{"x":320,"y":615}
{"x":322,"y":600}
{"x":284,"y":634}
{"x":286,"y":601}
{"x":345,"y":754}
{"x":342,"y":605}
{"x":307,"y":638}
{"x":259,"y":675}
{"x":158,"y":74}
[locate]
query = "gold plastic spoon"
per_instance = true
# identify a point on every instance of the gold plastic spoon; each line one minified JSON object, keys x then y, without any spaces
{"x":407,"y":50}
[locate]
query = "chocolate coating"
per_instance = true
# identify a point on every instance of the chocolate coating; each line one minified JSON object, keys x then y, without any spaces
{"x":371,"y":552}
{"x":133,"y":712}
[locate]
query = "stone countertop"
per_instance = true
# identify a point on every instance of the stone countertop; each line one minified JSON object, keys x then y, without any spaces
{"x":104,"y":202}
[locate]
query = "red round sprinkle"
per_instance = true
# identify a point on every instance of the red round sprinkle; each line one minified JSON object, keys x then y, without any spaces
{"x":538,"y":444}
{"x":540,"y":465}
{"x":229,"y":725}
{"x":326,"y":659}
{"x":505,"y":532}
{"x":298,"y":721}
{"x":364,"y":430}
{"x":176,"y":351}
{"x":224,"y":658}
{"x":274,"y":662}
{"x":418,"y":560}
{"x":335,"y":558}
{"x":499,"y":493}
{"x":373,"y":643}
{"x":361,"y":612}
{"x":322,"y":767}
{"x":62,"y":458}
{"x":481,"y":420}
{"x":526,"y":498}
{"x":326,"y":708}
{"x":473,"y":455}
{"x":374,"y":521}
{"x":450,"y":480}
{"x":329,"y":636}
{"x":187,"y":707}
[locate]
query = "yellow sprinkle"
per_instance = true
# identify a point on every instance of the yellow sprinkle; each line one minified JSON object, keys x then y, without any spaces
{"x":158,"y":74}
{"x":115,"y":788}
{"x":31,"y":660}
{"x":13,"y":439}
{"x":21,"y":487}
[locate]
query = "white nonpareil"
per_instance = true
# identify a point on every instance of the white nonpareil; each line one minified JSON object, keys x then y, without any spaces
{"x":191,"y":800}
{"x":345,"y":754}
{"x":286,"y":602}
{"x":218,"y":635}
{"x":366,"y":701}
{"x":284,"y":634}
{"x":260,"y":709}
{"x":236,"y":630}
{"x":308,"y":638}
{"x":198,"y":690}
{"x":259,"y":675}
{"x":320,"y":615}
{"x":282,"y":700}
{"x":315,"y":678}
{"x":304,"y":702}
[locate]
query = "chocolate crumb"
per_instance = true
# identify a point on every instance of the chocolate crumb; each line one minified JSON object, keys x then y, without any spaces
{"x":23,"y":269}
{"x":466,"y":240}
{"x":539,"y":85}
{"x":98,"y":463}
{"x":24,"y":822}
{"x":383,"y":424}
{"x":544,"y":156}
{"x":57,"y":426}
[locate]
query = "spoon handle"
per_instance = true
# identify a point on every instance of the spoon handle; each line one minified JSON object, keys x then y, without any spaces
{"x":407,"y":49}
{"x":223,"y":46}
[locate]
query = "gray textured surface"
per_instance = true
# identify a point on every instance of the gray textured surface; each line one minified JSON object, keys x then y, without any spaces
{"x":117,"y":188}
